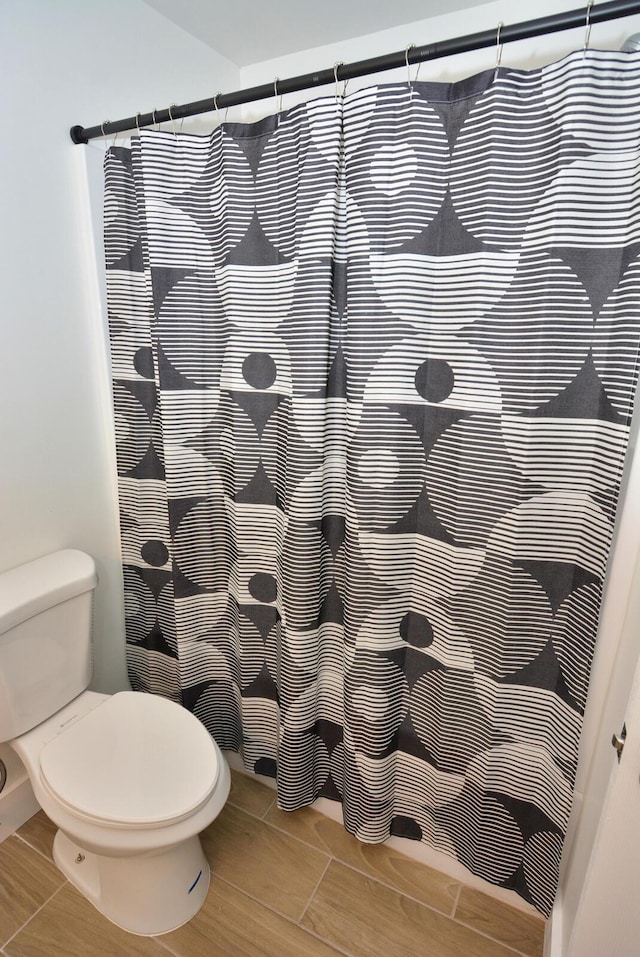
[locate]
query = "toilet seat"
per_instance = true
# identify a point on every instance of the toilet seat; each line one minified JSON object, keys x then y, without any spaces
{"x":135,"y":761}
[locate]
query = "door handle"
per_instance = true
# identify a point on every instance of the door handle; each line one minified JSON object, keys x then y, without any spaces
{"x":618,"y":742}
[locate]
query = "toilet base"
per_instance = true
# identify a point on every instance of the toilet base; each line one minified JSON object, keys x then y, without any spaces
{"x":147,"y":894}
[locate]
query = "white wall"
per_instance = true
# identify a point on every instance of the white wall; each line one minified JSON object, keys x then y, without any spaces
{"x":523,"y":54}
{"x":64,"y":62}
{"x":617,"y":649}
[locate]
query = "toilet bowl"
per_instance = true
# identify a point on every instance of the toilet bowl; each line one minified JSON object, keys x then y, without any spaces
{"x":129,"y":779}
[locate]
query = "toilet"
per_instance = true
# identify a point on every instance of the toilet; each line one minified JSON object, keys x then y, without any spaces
{"x":129,"y":779}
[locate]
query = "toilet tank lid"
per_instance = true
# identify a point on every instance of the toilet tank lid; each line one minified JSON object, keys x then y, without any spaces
{"x":35,"y":586}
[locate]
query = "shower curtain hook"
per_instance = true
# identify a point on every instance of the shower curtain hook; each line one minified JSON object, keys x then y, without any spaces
{"x":217,"y":109}
{"x":498,"y":50}
{"x":411,"y":46}
{"x":587,"y":31}
{"x":156,"y":124}
{"x":278,"y":104}
{"x":173,"y":122}
{"x":104,"y":135}
{"x":336,"y":66}
{"x":138,"y":123}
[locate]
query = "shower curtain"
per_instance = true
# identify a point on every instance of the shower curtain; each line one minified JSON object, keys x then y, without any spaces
{"x":374,"y":361}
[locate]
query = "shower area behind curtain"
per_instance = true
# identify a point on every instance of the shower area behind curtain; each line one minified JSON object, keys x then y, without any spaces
{"x":374,"y":362}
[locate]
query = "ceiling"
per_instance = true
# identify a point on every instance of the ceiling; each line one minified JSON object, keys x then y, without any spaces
{"x":248,"y":31}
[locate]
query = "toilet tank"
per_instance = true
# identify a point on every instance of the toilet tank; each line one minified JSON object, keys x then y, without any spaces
{"x":46,"y":655}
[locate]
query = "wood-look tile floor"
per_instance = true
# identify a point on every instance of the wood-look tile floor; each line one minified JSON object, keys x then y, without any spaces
{"x":282,"y":885}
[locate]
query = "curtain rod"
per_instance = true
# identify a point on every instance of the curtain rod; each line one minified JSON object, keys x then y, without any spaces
{"x":346,"y":71}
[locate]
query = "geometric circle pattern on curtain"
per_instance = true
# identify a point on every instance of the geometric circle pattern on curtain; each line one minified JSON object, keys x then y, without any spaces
{"x":374,"y":363}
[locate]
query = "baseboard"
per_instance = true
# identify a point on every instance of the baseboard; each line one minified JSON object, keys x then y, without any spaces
{"x":553,"y":943}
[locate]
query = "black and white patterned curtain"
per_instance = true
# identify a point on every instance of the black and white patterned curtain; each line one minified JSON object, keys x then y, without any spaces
{"x":374,"y":362}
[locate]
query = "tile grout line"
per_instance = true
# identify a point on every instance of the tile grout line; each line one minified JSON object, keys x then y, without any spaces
{"x":391,"y":887}
{"x":314,"y":891}
{"x":36,"y":849}
{"x":331,"y":944}
{"x":456,"y":901}
{"x":494,"y":940}
{"x":464,"y":923}
{"x":273,"y":803}
{"x":367,"y":874}
{"x":29,"y":919}
{"x":161,"y":943}
{"x":286,"y":917}
{"x":244,"y":810}
{"x":282,"y":830}
{"x":255,"y":899}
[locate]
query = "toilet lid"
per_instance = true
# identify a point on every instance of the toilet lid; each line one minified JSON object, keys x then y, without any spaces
{"x":137,"y":760}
